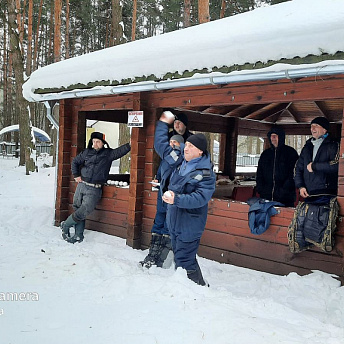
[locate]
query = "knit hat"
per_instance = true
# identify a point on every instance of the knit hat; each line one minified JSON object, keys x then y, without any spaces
{"x":178,"y":138}
{"x":322,"y":121}
{"x":199,"y":141}
{"x":182,"y":117}
{"x":99,"y":136}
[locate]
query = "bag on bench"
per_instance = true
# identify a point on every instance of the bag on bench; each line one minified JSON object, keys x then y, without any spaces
{"x":313,"y":224}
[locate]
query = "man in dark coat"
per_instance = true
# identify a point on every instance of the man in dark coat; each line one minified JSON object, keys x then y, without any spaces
{"x":180,"y":126}
{"x":275,"y":170}
{"x":316,"y":172}
{"x":90,"y":170}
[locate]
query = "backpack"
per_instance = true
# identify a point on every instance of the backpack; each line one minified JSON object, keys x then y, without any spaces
{"x":313,"y":224}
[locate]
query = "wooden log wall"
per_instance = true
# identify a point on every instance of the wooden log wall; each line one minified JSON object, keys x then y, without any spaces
{"x":227,"y":239}
{"x":129,"y":213}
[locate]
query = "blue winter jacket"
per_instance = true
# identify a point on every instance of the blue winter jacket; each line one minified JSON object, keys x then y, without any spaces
{"x":185,"y":218}
{"x":259,"y":214}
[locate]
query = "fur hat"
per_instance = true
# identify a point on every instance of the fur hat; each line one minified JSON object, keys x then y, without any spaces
{"x":182,"y":117}
{"x":99,"y":136}
{"x":322,"y":121}
{"x":178,"y":138}
{"x":199,"y":141}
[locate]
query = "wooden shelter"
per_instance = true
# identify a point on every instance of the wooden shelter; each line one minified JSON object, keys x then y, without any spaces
{"x":248,"y":106}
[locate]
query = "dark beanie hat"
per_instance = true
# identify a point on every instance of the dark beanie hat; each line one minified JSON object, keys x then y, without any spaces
{"x":182,"y":117}
{"x":178,"y":138}
{"x":322,"y":121}
{"x":99,"y":136}
{"x":199,"y":141}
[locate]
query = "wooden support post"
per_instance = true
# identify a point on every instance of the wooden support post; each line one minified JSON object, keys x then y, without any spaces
{"x":64,"y":159}
{"x":137,"y":173}
{"x":231,"y":148}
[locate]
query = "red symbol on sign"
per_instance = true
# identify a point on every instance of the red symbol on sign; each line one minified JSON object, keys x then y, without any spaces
{"x":135,"y":119}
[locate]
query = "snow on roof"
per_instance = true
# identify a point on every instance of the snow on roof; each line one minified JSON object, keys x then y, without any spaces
{"x":297,"y":28}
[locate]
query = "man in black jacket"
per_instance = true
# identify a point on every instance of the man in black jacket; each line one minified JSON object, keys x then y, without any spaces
{"x":180,"y":126}
{"x":275,"y":170}
{"x":316,"y":173}
{"x":90,"y":170}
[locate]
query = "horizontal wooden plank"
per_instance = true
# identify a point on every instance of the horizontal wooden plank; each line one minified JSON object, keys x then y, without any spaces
{"x":113,"y":204}
{"x":248,"y":93}
{"x":113,"y":191}
{"x":275,"y":234}
{"x":109,"y":217}
{"x":312,"y":259}
{"x":149,"y":211}
{"x":249,"y":262}
{"x":107,"y":228}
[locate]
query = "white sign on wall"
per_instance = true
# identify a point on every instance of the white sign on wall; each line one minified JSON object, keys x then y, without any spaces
{"x":135,"y":118}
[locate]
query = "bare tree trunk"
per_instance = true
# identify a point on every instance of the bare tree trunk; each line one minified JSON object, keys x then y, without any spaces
{"x":6,"y":83}
{"x":35,"y":50}
{"x":203,"y":11}
{"x":124,"y":137}
{"x":26,"y":141}
{"x":133,"y":26}
{"x":67,"y":30}
{"x":57,"y":30}
{"x":49,"y":57}
{"x":29,"y":40}
{"x":116,"y":27}
{"x":249,"y":144}
{"x":187,"y":13}
{"x":20,"y":20}
{"x":223,"y":8}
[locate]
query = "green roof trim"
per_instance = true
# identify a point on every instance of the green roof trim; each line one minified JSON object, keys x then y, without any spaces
{"x":310,"y":59}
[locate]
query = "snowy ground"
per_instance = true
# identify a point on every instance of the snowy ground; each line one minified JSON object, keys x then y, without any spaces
{"x":95,"y":292}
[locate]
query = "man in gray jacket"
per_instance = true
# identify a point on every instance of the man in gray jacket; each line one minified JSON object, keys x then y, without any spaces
{"x":90,"y":170}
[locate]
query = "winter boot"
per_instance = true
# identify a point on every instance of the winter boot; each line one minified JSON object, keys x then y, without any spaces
{"x":153,"y":251}
{"x":79,"y":233}
{"x":196,"y":276}
{"x":66,"y":225}
{"x":164,"y":250}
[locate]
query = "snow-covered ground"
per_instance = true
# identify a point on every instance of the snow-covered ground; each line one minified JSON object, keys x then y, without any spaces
{"x":95,"y":292}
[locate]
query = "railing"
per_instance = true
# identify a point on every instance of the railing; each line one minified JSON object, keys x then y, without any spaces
{"x":9,"y":148}
{"x":247,"y":160}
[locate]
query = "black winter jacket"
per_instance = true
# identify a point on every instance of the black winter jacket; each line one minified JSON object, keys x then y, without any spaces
{"x":275,"y":172}
{"x":94,"y":166}
{"x":324,"y":179}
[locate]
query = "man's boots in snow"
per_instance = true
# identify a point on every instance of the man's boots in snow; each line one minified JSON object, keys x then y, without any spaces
{"x":164,"y":250}
{"x":66,"y":225}
{"x":79,"y":233}
{"x":196,"y":276}
{"x":153,"y":251}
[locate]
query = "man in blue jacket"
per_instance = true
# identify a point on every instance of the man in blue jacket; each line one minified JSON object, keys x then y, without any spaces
{"x":90,"y":170}
{"x":190,"y":187}
{"x":160,"y":244}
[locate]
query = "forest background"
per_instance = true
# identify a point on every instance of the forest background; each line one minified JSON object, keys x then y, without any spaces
{"x":36,"y":33}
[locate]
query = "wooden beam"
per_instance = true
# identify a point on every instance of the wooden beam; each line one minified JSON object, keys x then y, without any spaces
{"x":293,"y":113}
{"x":264,"y":92}
{"x":265,"y":111}
{"x":321,"y":108}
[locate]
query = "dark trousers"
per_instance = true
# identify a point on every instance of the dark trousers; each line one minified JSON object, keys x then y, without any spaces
{"x":85,"y":200}
{"x":159,"y":226}
{"x":185,"y":253}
